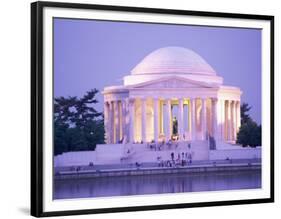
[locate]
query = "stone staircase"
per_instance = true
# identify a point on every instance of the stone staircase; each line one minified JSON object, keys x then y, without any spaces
{"x":200,"y":149}
{"x":142,"y":153}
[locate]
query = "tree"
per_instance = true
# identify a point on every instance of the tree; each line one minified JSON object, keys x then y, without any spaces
{"x":244,"y":109}
{"x":78,"y":126}
{"x":84,"y":109}
{"x":249,"y":134}
{"x":60,"y":132}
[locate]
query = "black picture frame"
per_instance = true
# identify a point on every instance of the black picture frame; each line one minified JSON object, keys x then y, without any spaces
{"x":37,"y":106}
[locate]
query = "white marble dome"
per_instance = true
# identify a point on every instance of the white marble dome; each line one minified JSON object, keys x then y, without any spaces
{"x":173,"y":60}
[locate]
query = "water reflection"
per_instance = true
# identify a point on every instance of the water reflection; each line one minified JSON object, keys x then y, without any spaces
{"x":156,"y":184}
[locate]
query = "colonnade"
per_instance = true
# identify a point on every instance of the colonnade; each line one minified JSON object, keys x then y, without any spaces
{"x":206,"y":117}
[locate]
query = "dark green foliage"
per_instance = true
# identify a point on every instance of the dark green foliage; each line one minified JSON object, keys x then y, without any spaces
{"x":245,"y":117}
{"x":77,"y":125}
{"x":249,"y":132}
{"x":60,"y":131}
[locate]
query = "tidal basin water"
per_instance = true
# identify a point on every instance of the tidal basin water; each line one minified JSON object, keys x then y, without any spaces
{"x":156,"y":184}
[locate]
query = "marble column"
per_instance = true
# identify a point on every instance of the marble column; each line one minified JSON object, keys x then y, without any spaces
{"x":116,"y":122}
{"x":123,"y":121}
{"x":132,"y":120}
{"x":127,"y":121}
{"x":156,"y":120}
{"x":222,"y":120}
{"x":111,"y":123}
{"x":193,"y":114}
{"x":189,"y":118}
{"x":231,"y":120}
{"x":234,"y":127}
{"x":229,"y":137}
{"x":106,"y":122}
{"x":214,"y":117}
{"x":238,"y":114}
{"x":204,"y":119}
{"x":180,"y":119}
{"x":218,"y":115}
{"x":143,"y":120}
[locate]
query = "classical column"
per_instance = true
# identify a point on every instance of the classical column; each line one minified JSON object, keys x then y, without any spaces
{"x":204,"y":119}
{"x":234,"y":117}
{"x":218,"y":136}
{"x":238,"y":114}
{"x":228,"y":117}
{"x":168,"y":133}
{"x":119,"y":106}
{"x":116,"y":122}
{"x":124,"y":112}
{"x":231,"y":120}
{"x":156,"y":120}
{"x":193,"y":114}
{"x":127,"y":121}
{"x":189,"y":118}
{"x":110,"y":123}
{"x":106,"y":122}
{"x":161,"y":117}
{"x":214,"y":117}
{"x":180,"y":119}
{"x":132,"y":118}
{"x":143,"y":120}
{"x":222,"y":126}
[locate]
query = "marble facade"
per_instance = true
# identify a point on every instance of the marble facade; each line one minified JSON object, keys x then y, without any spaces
{"x":171,"y":84}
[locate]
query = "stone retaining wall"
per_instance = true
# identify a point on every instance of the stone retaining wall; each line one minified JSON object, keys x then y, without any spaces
{"x":151,"y":171}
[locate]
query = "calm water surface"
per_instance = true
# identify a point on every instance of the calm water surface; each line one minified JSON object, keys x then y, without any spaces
{"x":156,"y":184}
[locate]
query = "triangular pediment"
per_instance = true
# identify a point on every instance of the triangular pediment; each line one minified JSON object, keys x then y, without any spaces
{"x":173,"y":82}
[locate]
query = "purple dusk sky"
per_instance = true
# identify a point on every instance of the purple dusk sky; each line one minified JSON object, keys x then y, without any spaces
{"x":93,"y":54}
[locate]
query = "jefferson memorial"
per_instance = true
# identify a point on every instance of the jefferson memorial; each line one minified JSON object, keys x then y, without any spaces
{"x":173,"y":103}
{"x":173,"y":93}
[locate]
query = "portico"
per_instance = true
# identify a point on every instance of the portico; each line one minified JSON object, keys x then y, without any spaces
{"x":173,"y":92}
{"x":197,"y":118}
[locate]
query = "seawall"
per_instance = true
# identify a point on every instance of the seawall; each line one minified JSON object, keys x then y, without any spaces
{"x":81,"y":174}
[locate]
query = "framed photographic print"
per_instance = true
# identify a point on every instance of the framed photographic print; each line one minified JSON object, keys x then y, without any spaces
{"x":144,"y":108}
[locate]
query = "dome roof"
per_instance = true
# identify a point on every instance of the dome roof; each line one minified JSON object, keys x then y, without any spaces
{"x":173,"y":60}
